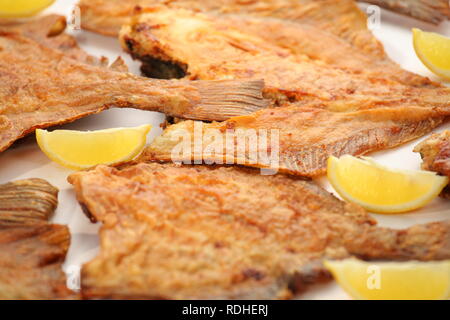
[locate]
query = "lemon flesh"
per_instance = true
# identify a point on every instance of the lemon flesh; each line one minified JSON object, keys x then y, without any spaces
{"x":380,"y":189}
{"x":392,"y":280}
{"x":434,"y":51}
{"x":22,"y":8}
{"x":80,"y":150}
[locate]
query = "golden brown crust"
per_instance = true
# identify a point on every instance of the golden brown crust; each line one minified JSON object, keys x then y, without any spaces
{"x":334,"y":100}
{"x":342,"y":18}
{"x":297,"y":60}
{"x":32,"y":251}
{"x":51,"y":81}
{"x":31,"y":259}
{"x":202,"y":232}
{"x":206,"y":232}
{"x":420,"y":242}
{"x":435,"y":153}
{"x":49,"y":31}
{"x":299,"y":140}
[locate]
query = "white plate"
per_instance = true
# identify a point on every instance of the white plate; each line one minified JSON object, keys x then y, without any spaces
{"x":25,"y":160}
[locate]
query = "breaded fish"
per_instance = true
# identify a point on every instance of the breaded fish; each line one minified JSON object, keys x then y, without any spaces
{"x":206,"y":232}
{"x":435,"y":153}
{"x":49,"y":80}
{"x":296,"y":140}
{"x":340,"y":17}
{"x":331,"y":104}
{"x":312,"y":65}
{"x":32,"y":251}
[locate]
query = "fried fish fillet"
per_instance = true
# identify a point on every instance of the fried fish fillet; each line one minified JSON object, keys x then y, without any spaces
{"x":340,"y":17}
{"x":309,"y":65}
{"x":49,"y":80}
{"x":295,"y":140}
{"x":435,"y":153}
{"x":49,"y":31}
{"x":360,"y":109}
{"x":31,"y":250}
{"x":206,"y":232}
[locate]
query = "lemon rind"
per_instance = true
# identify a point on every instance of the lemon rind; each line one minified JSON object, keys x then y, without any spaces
{"x":335,"y":267}
{"x":41,"y":134}
{"x":440,"y":183}
{"x":28,"y":13}
{"x":443,"y":73}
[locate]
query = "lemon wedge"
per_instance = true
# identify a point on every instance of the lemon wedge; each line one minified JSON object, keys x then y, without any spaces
{"x":392,"y":280}
{"x":80,"y":150}
{"x":434,"y":51}
{"x":380,"y":189}
{"x":22,"y":8}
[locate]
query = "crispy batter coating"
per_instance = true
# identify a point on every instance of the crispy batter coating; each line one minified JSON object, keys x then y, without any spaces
{"x":206,"y":232}
{"x":49,"y":80}
{"x":333,"y":100}
{"x":297,"y":60}
{"x":295,"y":140}
{"x":435,"y":153}
{"x":340,"y":17}
{"x":32,"y":251}
{"x":49,"y":31}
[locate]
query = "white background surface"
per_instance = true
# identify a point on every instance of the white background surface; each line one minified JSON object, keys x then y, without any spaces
{"x":25,"y":160}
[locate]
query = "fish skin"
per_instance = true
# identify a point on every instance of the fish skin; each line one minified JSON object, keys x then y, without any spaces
{"x":307,"y":137}
{"x":433,"y":11}
{"x":435,"y":153}
{"x":51,"y":81}
{"x":49,"y":31}
{"x":32,"y":250}
{"x":340,"y":17}
{"x":330,"y":105}
{"x":107,"y":16}
{"x":324,"y":47}
{"x":208,"y":232}
{"x":304,"y":70}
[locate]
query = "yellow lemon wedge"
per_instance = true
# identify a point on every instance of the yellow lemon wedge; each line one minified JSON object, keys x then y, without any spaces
{"x":380,"y":189}
{"x":22,"y":8}
{"x":434,"y":51}
{"x":392,"y":280}
{"x":85,"y":149}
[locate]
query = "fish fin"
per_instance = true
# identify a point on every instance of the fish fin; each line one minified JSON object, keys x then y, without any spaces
{"x":27,"y":202}
{"x":424,"y":242}
{"x":224,"y":99}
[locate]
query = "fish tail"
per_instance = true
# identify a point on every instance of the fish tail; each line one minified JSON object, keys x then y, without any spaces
{"x":224,"y":99}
